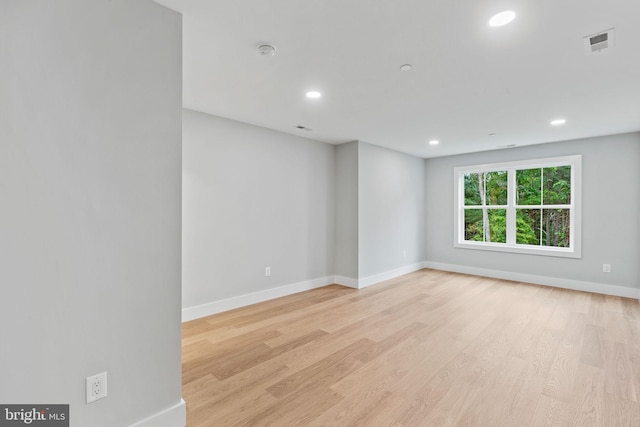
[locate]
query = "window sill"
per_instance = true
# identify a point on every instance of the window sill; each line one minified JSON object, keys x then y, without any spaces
{"x":520,"y":249}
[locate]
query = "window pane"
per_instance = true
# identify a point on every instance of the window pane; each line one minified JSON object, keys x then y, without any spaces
{"x":471,"y":190}
{"x":496,"y":187}
{"x":485,"y":188}
{"x":473,"y":225}
{"x":528,"y":226}
{"x":497,"y":225}
{"x":556,"y":227}
{"x":485,"y":225}
{"x":528,"y":182}
{"x":557,"y":185}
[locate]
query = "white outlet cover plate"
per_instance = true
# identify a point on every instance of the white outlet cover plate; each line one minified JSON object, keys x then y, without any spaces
{"x":96,"y":387}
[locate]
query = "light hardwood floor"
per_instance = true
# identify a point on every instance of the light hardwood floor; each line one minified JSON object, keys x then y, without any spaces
{"x":427,"y":349}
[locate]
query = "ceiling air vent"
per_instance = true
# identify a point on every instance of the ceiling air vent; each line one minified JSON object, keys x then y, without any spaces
{"x":599,"y":42}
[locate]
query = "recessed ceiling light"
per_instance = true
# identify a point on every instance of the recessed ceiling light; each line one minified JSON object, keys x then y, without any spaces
{"x":313,"y":94}
{"x":502,"y":18}
{"x":492,"y":134}
{"x":434,"y":142}
{"x":558,"y":122}
{"x":266,"y":49}
{"x":405,"y":67}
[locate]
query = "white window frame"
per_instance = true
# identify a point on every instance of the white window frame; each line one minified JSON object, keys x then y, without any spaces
{"x":575,"y":216}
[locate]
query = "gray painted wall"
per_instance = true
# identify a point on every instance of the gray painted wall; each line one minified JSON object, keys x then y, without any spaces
{"x":90,"y":129}
{"x":346,"y":250}
{"x":391,"y":210}
{"x":253,"y":198}
{"x":609,"y":212}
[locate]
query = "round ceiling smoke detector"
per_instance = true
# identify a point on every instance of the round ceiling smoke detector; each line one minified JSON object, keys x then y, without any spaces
{"x":266,"y":49}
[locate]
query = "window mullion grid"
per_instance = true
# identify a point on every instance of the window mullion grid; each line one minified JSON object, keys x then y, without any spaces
{"x":540,"y":225}
{"x":511,"y":209}
{"x":512,"y":206}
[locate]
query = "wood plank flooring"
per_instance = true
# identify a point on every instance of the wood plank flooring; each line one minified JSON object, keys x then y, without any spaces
{"x":427,"y":349}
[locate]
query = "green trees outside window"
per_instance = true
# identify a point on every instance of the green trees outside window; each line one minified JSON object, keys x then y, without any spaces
{"x":487,"y":192}
{"x":542,"y":206}
{"x":541,"y":218}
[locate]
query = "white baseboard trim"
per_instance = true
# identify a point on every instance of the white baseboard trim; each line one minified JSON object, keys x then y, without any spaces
{"x":175,"y":416}
{"x":346,"y":281}
{"x":214,"y":307}
{"x":577,"y":285}
{"x":377,"y":278}
{"x":196,"y":312}
{"x":388,"y":275}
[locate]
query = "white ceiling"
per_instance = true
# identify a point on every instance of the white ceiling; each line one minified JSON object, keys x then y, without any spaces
{"x":468,"y":79}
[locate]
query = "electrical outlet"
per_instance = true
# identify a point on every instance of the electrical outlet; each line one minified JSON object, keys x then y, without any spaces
{"x":267,"y":271}
{"x":404,"y":253}
{"x":96,"y":387}
{"x":606,"y":268}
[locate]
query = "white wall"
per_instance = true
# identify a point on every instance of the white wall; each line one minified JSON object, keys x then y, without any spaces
{"x":609,"y":215}
{"x":346,"y":240}
{"x":313,"y":212}
{"x":391,"y":211}
{"x":253,"y":198}
{"x":90,"y":111}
